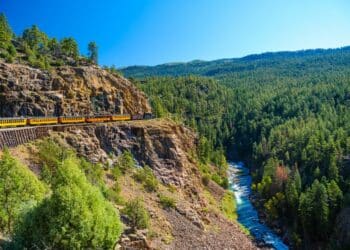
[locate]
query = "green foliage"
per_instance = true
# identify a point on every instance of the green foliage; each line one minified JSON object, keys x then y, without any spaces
{"x":75,"y":216}
{"x":51,"y":155}
{"x":125,"y":162}
{"x":137,"y":214}
{"x":5,"y":32}
{"x":19,"y":190}
{"x":167,"y":201}
{"x":147,"y":178}
{"x":93,"y":52}
{"x":275,"y":206}
{"x":69,"y":47}
{"x":314,"y":210}
{"x":40,"y":50}
{"x":36,"y":39}
{"x":228,"y":205}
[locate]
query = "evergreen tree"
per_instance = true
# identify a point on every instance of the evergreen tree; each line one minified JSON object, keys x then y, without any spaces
{"x":5,"y":32}
{"x":333,"y":172}
{"x":36,"y":39}
{"x":93,"y":52}
{"x":69,"y":47}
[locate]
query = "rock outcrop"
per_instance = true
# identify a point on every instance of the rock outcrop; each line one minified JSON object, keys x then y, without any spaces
{"x":85,"y":90}
{"x":160,"y":144}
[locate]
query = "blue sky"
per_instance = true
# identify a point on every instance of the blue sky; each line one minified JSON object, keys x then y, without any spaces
{"x":149,"y":32}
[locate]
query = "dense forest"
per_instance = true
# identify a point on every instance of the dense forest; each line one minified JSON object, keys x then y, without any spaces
{"x":288,"y":115}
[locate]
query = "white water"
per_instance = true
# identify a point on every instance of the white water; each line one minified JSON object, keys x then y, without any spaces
{"x":240,"y":184}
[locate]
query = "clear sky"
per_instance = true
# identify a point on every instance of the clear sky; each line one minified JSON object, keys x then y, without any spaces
{"x":149,"y":32}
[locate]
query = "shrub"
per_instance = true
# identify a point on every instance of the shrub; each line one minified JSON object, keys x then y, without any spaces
{"x":19,"y":189}
{"x":125,"y":162}
{"x":205,"y":179}
{"x":75,"y":216}
{"x":228,"y":205}
{"x":145,"y":175}
{"x":166,"y":201}
{"x":137,"y":214}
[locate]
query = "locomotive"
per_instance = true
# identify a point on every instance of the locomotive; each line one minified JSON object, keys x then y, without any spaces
{"x":34,"y":121}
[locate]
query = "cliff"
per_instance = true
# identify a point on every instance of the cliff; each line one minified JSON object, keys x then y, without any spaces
{"x":25,"y":91}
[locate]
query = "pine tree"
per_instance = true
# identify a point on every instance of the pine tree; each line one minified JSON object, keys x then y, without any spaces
{"x":321,"y":210}
{"x":93,"y":52}
{"x":69,"y":47}
{"x":333,"y":172}
{"x":5,"y":32}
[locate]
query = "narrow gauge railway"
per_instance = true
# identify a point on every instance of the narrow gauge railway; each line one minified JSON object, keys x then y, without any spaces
{"x":8,"y":122}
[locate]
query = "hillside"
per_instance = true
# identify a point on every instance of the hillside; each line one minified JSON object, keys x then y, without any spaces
{"x":285,"y":114}
{"x":279,"y":62}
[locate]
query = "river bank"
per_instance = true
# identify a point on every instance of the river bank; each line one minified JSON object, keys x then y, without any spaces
{"x":240,"y":184}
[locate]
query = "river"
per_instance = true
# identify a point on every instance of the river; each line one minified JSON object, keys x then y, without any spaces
{"x":240,"y":184}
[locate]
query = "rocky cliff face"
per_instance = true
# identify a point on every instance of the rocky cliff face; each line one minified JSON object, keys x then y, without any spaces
{"x":25,"y":91}
{"x":160,"y":144}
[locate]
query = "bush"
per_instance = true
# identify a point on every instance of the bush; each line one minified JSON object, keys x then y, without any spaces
{"x":114,"y":196}
{"x":50,"y":157}
{"x":228,"y":205}
{"x":125,"y":162}
{"x":137,"y":214}
{"x":145,"y":175}
{"x":205,"y":179}
{"x":19,"y":189}
{"x":75,"y":216}
{"x":166,"y":201}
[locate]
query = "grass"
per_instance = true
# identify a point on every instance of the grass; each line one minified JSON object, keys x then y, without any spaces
{"x":228,"y":206}
{"x":166,"y":201}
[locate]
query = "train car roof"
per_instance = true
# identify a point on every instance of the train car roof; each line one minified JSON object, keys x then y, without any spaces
{"x":12,"y":118}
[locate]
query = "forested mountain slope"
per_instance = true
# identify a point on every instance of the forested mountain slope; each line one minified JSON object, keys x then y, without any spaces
{"x":288,"y":115}
{"x":289,"y":63}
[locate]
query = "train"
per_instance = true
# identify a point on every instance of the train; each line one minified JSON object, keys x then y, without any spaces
{"x":35,"y":121}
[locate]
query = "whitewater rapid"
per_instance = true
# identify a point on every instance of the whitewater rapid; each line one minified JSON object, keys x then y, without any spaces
{"x":240,"y":184}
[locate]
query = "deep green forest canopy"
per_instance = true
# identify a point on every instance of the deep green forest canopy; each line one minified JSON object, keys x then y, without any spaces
{"x":287,"y":114}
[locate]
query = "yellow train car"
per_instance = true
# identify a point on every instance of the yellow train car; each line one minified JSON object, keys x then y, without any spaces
{"x":125,"y":117}
{"x":71,"y":119}
{"x":42,"y":120}
{"x":12,"y":122}
{"x":92,"y":119}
